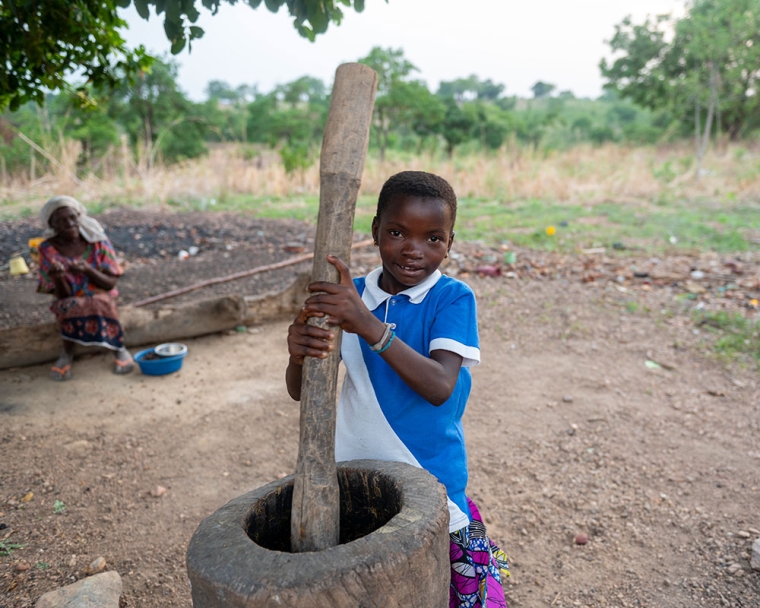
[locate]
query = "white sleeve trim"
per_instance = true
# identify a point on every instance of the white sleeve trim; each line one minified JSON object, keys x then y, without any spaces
{"x":470,"y":354}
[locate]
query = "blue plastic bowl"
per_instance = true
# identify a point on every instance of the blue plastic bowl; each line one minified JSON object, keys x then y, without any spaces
{"x":160,"y":366}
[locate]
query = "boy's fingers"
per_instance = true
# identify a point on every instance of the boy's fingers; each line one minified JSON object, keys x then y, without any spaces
{"x":305,"y":313}
{"x":313,"y":332}
{"x":345,"y":273}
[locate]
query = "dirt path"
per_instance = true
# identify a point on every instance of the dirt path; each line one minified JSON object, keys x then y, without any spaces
{"x":568,"y":433}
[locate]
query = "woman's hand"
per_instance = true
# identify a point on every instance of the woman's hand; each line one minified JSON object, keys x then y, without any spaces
{"x":80,"y":267}
{"x":97,"y":277}
{"x":57,"y":270}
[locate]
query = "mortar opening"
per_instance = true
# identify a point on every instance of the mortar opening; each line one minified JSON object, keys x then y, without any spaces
{"x":368,"y":501}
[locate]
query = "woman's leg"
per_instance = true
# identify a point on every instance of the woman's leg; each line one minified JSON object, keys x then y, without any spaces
{"x":61,"y":369}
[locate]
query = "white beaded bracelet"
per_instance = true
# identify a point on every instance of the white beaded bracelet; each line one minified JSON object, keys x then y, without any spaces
{"x":386,"y":334}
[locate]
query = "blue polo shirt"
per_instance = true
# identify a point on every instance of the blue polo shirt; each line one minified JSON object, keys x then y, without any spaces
{"x":379,"y":416}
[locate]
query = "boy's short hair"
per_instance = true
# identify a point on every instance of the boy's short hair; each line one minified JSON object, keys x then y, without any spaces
{"x":420,"y":184}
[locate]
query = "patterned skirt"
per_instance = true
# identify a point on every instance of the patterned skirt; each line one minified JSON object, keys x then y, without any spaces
{"x":90,"y":320}
{"x":476,"y":567}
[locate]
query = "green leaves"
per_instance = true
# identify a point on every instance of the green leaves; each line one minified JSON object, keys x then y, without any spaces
{"x":684,"y":65}
{"x":141,"y":6}
{"x":43,"y":44}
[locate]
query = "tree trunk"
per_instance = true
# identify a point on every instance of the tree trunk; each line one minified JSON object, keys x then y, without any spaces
{"x":33,"y":344}
{"x":702,"y":146}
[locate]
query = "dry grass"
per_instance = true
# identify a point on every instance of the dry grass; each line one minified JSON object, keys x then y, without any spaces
{"x":584,"y":174}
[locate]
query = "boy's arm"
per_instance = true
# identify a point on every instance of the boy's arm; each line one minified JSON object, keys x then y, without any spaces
{"x":304,"y":340}
{"x":433,"y":378}
{"x":293,"y":379}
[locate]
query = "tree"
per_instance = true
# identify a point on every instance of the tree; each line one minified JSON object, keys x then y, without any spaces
{"x":542,"y":89}
{"x":225,"y":110}
{"x":156,"y":114}
{"x":304,"y":90}
{"x":44,"y":44}
{"x":706,"y":72}
{"x":467,"y":89}
{"x":457,"y":126}
{"x":219,"y":90}
{"x":393,"y":70}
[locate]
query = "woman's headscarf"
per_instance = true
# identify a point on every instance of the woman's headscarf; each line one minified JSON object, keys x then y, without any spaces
{"x":89,"y":228}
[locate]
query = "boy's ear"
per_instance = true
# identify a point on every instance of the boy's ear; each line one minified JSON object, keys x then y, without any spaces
{"x":451,"y":241}
{"x":375,"y":225}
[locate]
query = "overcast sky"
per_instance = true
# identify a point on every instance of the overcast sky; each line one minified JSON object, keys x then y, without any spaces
{"x":512,"y":43}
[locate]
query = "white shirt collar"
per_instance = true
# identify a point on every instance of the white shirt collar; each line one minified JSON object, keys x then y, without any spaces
{"x":373,"y":296}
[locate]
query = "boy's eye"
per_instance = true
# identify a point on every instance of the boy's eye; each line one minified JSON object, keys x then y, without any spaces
{"x":394,"y":232}
{"x":435,"y":239}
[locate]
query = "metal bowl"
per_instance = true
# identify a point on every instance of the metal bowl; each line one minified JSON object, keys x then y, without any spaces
{"x":170,"y":349}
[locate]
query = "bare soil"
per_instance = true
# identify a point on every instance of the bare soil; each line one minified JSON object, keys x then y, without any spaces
{"x":569,"y":431}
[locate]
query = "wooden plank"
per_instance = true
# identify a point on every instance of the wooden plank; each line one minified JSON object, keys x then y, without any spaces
{"x":316,"y":508}
{"x":33,"y":344}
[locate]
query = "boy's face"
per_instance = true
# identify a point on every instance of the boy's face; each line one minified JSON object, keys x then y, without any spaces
{"x":414,"y":235}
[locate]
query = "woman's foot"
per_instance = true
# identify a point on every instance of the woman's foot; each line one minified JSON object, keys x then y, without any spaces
{"x":61,"y":369}
{"x":123,"y":362}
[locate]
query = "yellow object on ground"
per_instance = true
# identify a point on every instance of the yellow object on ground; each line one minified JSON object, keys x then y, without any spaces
{"x":550,"y":230}
{"x":18,"y":266}
{"x":33,"y":244}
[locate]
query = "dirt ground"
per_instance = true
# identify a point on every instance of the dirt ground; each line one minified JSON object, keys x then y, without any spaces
{"x":569,"y":430}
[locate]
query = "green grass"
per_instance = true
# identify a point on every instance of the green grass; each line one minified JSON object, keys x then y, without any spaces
{"x":665,"y":225}
{"x":724,"y":226}
{"x":305,"y":208}
{"x":7,"y":548}
{"x":736,"y":336}
{"x":721,"y":227}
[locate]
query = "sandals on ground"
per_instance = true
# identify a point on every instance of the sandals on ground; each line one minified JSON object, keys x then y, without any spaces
{"x":59,"y":374}
{"x":123,"y":367}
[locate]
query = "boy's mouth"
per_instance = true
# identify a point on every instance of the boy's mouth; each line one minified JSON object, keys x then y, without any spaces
{"x":409,"y":269}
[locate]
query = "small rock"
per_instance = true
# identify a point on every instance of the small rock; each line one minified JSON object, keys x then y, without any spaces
{"x":100,"y":591}
{"x":294,"y":247}
{"x":697,"y":275}
{"x":754,"y":560}
{"x":734,"y":568}
{"x":158,"y":491}
{"x":567,"y":398}
{"x":581,"y":539}
{"x":754,"y":531}
{"x":742,"y":534}
{"x":72,"y":562}
{"x":81,"y":446}
{"x":22,"y":566}
{"x":97,"y":565}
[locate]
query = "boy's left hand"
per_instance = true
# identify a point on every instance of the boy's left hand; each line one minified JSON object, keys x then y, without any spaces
{"x":340,"y":302}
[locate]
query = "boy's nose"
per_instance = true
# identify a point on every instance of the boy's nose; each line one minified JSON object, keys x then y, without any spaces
{"x":412,"y":249}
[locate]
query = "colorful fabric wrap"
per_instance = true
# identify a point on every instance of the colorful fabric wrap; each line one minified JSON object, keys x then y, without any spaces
{"x":90,"y":320}
{"x":477,"y":564}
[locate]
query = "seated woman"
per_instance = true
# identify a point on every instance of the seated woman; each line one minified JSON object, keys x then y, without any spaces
{"x":78,"y":266}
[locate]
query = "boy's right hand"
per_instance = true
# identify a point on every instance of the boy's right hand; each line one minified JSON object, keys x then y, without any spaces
{"x":306,"y":340}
